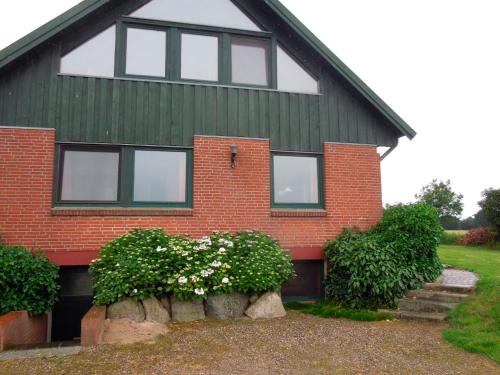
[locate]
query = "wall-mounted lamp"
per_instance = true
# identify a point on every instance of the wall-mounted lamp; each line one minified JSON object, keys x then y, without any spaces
{"x":234,"y":152}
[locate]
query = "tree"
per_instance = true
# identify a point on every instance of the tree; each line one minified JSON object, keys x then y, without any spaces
{"x":491,"y":207}
{"x":438,"y":194}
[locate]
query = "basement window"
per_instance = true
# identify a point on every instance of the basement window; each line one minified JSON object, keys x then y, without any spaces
{"x":296,"y":181}
{"x":124,"y":176}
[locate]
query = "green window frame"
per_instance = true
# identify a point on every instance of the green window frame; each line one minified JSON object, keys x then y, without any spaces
{"x":320,"y":182}
{"x":174,"y":33}
{"x":125,"y":176}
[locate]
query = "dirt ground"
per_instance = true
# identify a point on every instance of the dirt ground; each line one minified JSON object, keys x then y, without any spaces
{"x":296,"y":344}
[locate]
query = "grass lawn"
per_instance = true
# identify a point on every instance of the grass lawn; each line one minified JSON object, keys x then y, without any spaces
{"x":476,"y":321}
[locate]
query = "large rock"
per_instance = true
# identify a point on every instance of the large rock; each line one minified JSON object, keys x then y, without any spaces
{"x":155,"y":312}
{"x":127,"y":309}
{"x":268,"y":306}
{"x":165,"y":302}
{"x":125,"y":331}
{"x":227,"y":306}
{"x":187,"y":311}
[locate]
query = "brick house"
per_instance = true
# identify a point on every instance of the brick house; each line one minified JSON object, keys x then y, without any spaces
{"x":189,"y":115}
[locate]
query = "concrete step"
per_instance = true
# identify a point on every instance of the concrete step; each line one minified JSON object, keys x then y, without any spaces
{"x":436,"y":295}
{"x":460,"y":289}
{"x":413,"y":315}
{"x":421,"y":305}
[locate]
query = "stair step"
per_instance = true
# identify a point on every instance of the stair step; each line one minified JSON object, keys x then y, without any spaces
{"x":436,"y":295}
{"x":420,"y":305}
{"x":461,"y":289}
{"x":413,"y":315}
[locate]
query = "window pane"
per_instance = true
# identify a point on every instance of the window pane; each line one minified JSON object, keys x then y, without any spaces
{"x":292,"y":77}
{"x":160,"y":176}
{"x":200,"y":57}
{"x":295,"y":179}
{"x":202,"y":12}
{"x":95,"y":57}
{"x":146,"y":52}
{"x":249,"y":61}
{"x":90,"y":176}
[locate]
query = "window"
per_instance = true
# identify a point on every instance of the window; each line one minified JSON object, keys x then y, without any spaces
{"x":292,"y":76}
{"x":124,"y":176}
{"x":249,"y":61}
{"x":89,"y":176}
{"x":199,"y":57}
{"x":296,"y":181}
{"x":221,"y":13}
{"x":95,"y":57}
{"x":159,"y":176}
{"x":146,"y":52}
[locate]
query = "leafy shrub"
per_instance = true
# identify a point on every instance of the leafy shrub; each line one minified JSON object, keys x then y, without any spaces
{"x":148,"y":263}
{"x":450,"y":237}
{"x":375,"y":268}
{"x":477,"y":237}
{"x":28,"y":281}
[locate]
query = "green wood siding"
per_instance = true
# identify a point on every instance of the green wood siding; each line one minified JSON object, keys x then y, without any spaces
{"x":123,"y":111}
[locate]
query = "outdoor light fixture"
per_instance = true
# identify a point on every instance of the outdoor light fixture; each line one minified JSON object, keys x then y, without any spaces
{"x":234,"y":152}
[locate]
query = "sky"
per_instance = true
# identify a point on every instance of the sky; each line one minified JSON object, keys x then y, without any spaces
{"x":436,"y":63}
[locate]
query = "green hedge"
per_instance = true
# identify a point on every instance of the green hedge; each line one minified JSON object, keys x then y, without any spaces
{"x":375,"y":268}
{"x":28,"y":281}
{"x":148,"y":263}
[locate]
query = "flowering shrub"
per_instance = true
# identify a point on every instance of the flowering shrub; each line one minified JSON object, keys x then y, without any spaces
{"x":147,"y":263}
{"x":479,"y":236}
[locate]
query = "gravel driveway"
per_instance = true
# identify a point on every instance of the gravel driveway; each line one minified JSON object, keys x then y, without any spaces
{"x":297,"y":344}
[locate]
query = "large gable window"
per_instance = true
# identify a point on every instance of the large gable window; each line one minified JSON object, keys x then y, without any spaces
{"x":95,"y":57}
{"x":199,"y":57}
{"x":296,"y":180}
{"x":146,"y":52}
{"x":249,"y":61}
{"x":222,"y":13}
{"x":124,"y":176}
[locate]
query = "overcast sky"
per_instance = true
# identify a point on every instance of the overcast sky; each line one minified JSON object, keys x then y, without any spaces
{"x":436,"y":63}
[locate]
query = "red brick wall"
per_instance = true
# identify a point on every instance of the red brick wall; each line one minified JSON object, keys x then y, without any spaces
{"x":224,"y":198}
{"x":17,"y":328}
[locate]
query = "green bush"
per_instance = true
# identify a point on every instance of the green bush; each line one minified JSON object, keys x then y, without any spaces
{"x":28,"y":281}
{"x":374,"y":268}
{"x":148,"y":263}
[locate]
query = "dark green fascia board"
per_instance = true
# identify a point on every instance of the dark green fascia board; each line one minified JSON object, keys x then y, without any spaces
{"x":342,"y":69}
{"x":47,"y":31}
{"x":86,"y":7}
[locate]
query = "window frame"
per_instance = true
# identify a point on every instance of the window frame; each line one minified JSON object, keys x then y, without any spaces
{"x":173,"y":61}
{"x":125,"y":176}
{"x":319,"y":163}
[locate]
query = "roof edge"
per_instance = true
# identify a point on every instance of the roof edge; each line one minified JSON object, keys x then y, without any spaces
{"x":342,"y":68}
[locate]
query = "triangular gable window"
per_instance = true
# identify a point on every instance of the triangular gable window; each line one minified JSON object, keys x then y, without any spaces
{"x":222,"y":13}
{"x":292,"y":76}
{"x":95,"y":57}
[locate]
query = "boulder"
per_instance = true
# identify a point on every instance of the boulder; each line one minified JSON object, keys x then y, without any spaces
{"x":155,"y":312}
{"x":165,"y":302}
{"x":126,"y":309}
{"x":268,"y":306}
{"x":125,"y":331}
{"x":254,"y":298}
{"x":187,"y":311}
{"x":227,"y":306}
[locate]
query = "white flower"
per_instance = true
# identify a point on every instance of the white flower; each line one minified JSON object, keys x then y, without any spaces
{"x":222,"y":240}
{"x":182,"y":280}
{"x":199,"y":291}
{"x":134,"y":291}
{"x":185,"y":254}
{"x":159,"y":248}
{"x":216,"y":264}
{"x":117,"y":264}
{"x":225,"y":280}
{"x":204,"y":273}
{"x":229,"y":243}
{"x":222,"y":250}
{"x":195,"y":279}
{"x":210,"y":271}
